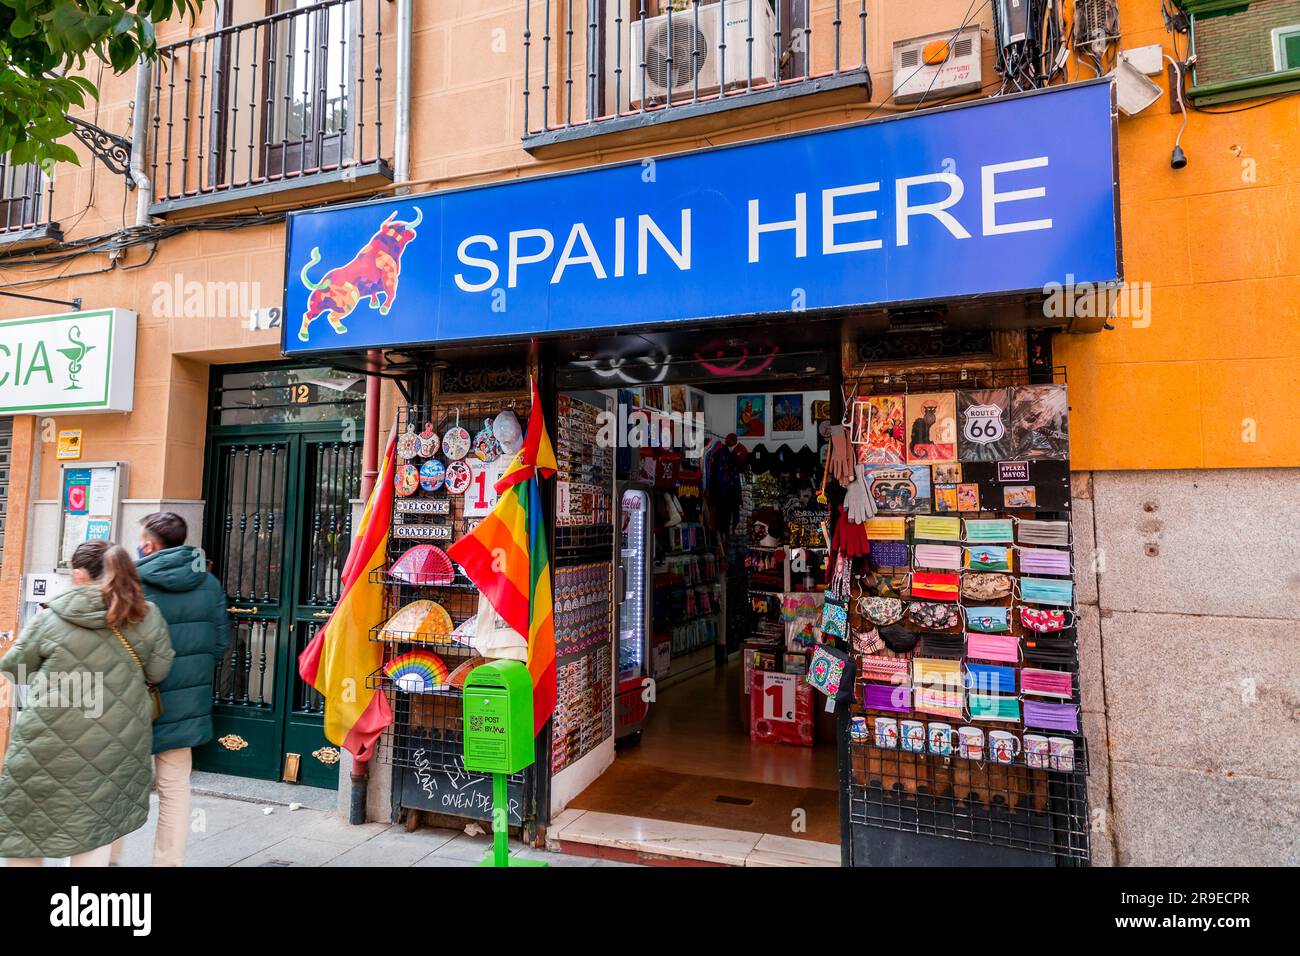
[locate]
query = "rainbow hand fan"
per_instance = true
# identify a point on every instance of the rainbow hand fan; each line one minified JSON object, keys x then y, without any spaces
{"x":417,"y":672}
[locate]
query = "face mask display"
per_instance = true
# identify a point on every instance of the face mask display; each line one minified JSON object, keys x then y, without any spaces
{"x":1044,"y":561}
{"x":945,"y":556}
{"x":1052,"y":716}
{"x":1052,"y":533}
{"x":890,"y":554}
{"x":1043,"y":621}
{"x":886,"y":529}
{"x":935,"y":587}
{"x":989,"y":558}
{"x":990,"y":679}
{"x":988,"y":620}
{"x":1044,"y":683}
{"x":936,"y":529}
{"x":985,"y":587}
{"x":991,"y":529}
{"x":886,"y":697}
{"x":984,"y":707}
{"x":993,"y":647}
{"x":1047,"y":591}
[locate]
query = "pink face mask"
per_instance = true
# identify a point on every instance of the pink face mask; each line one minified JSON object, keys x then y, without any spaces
{"x":1046,"y":683}
{"x":993,"y":647}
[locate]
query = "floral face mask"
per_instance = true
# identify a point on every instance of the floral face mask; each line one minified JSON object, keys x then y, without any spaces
{"x":933,"y":616}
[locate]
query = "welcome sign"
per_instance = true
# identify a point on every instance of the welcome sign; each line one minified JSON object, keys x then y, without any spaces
{"x":980,"y":198}
{"x":77,"y":362}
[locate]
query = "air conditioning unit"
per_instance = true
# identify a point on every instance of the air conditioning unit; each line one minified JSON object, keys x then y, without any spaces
{"x":937,"y":66}
{"x":694,"y":50}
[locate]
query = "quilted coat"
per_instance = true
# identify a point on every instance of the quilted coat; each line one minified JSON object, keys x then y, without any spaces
{"x":194,"y":606}
{"x":78,"y":770}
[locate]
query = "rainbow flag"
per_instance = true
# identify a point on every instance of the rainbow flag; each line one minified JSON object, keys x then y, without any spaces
{"x":341,"y":656}
{"x":506,"y":558}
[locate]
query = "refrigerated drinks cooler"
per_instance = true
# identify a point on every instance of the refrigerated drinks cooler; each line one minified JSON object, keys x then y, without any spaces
{"x":636,"y":570}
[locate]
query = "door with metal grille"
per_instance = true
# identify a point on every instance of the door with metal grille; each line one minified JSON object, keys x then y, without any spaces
{"x":279,"y":525}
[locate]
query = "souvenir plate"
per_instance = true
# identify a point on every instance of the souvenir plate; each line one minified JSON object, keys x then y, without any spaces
{"x":458,"y":477}
{"x":408,"y":444}
{"x":455,"y":443}
{"x":486,"y":445}
{"x":407,"y":480}
{"x":429,"y":441}
{"x":431,"y":475}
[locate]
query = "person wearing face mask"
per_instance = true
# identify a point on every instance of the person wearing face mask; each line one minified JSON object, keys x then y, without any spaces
{"x":76,"y":776}
{"x":193,"y":603}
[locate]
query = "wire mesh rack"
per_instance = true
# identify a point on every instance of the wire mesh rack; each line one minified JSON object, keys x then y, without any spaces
{"x":426,"y":731}
{"x":1024,"y":803}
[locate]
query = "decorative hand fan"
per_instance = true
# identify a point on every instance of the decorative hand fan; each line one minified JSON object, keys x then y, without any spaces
{"x":418,"y":621}
{"x":424,"y":564}
{"x":417,"y":672}
{"x":457,"y":678}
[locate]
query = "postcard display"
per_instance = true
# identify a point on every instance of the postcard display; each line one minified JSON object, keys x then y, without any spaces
{"x":449,"y":457}
{"x":966,"y":718}
{"x":584,"y":535}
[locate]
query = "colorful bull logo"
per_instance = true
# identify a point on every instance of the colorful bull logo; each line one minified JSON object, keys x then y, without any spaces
{"x":372,"y":274}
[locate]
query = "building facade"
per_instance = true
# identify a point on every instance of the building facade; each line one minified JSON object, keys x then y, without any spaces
{"x":1180,"y":390}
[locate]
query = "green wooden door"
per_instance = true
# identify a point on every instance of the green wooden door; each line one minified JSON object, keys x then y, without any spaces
{"x":278,"y":529}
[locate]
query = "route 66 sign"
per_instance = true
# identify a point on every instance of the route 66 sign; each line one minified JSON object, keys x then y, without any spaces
{"x":982,"y":424}
{"x":985,"y":424}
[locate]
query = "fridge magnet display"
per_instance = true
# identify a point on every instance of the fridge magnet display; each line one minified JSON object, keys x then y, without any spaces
{"x":968,"y":497}
{"x":1019,"y":496}
{"x":1040,"y":417}
{"x":406,"y":480}
{"x":878,"y":429}
{"x":486,"y":446}
{"x":901,"y":489}
{"x":787,"y":414}
{"x":932,"y":429}
{"x":751,"y":421}
{"x":458,"y":476}
{"x":821,"y":410}
{"x":417,"y":672}
{"x":408,"y":444}
{"x":455,"y":441}
{"x":948,"y":473}
{"x":945,"y":498}
{"x":984,"y":424}
{"x":677,"y":398}
{"x":431,"y":475}
{"x":429,"y":441}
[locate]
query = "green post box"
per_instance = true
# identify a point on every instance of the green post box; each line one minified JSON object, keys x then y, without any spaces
{"x":498,"y":738}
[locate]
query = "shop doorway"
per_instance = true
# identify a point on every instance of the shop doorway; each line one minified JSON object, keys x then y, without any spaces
{"x":283,"y":468}
{"x":720,"y":565}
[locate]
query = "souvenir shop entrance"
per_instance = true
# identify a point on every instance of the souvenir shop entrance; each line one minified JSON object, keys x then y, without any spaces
{"x":698,"y":466}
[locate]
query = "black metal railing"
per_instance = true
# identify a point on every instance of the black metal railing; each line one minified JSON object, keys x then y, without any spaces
{"x":276,"y":99}
{"x":26,"y":197}
{"x":626,"y":62}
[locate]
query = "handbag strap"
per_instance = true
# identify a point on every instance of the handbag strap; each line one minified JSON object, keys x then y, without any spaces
{"x":129,"y":649}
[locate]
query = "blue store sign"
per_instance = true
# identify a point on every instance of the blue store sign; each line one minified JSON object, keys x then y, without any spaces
{"x":998,"y":196}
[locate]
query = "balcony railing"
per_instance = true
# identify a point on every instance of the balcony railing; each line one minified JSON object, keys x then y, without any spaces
{"x":26,"y":199}
{"x":592,"y":66}
{"x":290,"y":99}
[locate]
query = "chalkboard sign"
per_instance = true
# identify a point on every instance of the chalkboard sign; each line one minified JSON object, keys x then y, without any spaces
{"x":430,"y":785}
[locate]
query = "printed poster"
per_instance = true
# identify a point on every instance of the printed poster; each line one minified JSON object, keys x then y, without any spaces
{"x":899,"y":489}
{"x":787,"y":414}
{"x":932,"y":427}
{"x":1040,"y":422}
{"x":751,"y":416}
{"x":984,"y":424}
{"x":879,"y":429}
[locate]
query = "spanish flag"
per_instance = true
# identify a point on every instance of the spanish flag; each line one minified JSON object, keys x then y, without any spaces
{"x":506,"y":558}
{"x":341,"y":656}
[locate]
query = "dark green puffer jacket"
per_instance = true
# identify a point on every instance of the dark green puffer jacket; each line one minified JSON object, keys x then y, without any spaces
{"x":194,"y":606}
{"x":77,"y":773}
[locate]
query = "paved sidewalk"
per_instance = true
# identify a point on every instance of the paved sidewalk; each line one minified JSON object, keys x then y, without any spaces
{"x":227,"y":831}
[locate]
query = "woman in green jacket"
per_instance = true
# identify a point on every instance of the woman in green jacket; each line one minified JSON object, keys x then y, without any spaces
{"x":77,"y":773}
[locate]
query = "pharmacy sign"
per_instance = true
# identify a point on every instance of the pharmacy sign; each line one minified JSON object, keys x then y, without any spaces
{"x":75,"y":362}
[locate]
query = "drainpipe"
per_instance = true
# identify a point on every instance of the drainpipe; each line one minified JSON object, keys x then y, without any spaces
{"x":139,"y":142}
{"x":374,"y":358}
